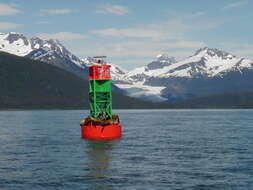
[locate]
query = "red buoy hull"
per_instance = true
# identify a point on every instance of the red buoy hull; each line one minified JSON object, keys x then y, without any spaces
{"x":98,"y":132}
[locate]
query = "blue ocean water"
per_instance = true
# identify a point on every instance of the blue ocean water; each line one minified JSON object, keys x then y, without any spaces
{"x":160,"y":149}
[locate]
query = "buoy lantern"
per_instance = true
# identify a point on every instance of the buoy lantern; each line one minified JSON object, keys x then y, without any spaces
{"x":101,"y":124}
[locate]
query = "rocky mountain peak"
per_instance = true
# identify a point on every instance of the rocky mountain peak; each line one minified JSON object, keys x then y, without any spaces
{"x":213,"y":52}
{"x":161,"y":61}
{"x":165,"y":58}
{"x":13,"y":36}
{"x":36,"y":42}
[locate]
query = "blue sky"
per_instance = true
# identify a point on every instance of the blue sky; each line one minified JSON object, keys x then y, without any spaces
{"x":132,"y":32}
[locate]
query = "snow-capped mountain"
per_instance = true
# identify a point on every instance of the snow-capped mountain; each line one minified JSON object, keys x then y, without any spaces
{"x":15,"y":43}
{"x":162,"y":61}
{"x":207,"y":71}
{"x":136,"y":79}
{"x":175,"y":80}
{"x":52,"y":52}
{"x":206,"y":62}
{"x":152,"y":68}
{"x":49,"y":51}
{"x":20,"y":45}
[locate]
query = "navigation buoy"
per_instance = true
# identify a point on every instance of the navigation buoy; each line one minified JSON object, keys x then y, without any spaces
{"x":101,"y":124}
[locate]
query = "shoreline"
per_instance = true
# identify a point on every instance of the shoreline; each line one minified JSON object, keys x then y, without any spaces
{"x":181,"y":108}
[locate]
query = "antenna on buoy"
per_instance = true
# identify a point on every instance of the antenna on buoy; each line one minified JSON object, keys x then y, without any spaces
{"x":101,"y":124}
{"x":100,"y":59}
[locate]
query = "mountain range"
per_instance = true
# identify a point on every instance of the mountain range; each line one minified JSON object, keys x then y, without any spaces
{"x":32,"y":84}
{"x":208,"y":71}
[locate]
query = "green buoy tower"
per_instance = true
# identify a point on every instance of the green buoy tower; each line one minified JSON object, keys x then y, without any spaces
{"x":100,"y":93}
{"x":101,"y":124}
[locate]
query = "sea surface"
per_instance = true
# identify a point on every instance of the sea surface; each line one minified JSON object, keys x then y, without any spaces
{"x":160,"y":149}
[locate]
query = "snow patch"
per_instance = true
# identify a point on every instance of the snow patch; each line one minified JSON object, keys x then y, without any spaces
{"x":139,"y":90}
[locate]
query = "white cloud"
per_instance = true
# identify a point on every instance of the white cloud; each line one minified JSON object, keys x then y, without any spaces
{"x":238,"y":49}
{"x":6,"y":9}
{"x":148,"y":49}
{"x":149,"y":40}
{"x":186,"y":44}
{"x":129,"y":32}
{"x":62,"y":36}
{"x":56,"y":11}
{"x":236,"y":4}
{"x":42,"y":22}
{"x":130,"y":60}
{"x":145,"y":42}
{"x":8,"y":25}
{"x":173,"y":29}
{"x":176,"y":29}
{"x":113,"y":9}
{"x":192,"y":15}
{"x":133,"y":54}
{"x":244,"y":52}
{"x":129,"y":63}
